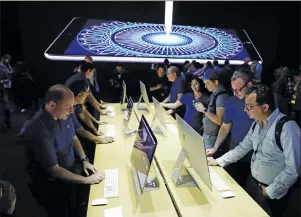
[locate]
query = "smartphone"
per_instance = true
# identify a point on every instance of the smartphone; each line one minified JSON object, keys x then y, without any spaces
{"x":118,"y":41}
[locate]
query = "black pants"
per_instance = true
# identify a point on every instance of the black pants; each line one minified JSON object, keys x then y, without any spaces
{"x":273,"y":207}
{"x":61,"y":199}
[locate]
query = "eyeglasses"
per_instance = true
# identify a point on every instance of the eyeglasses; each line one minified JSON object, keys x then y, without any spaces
{"x":239,"y":90}
{"x":250,"y":107}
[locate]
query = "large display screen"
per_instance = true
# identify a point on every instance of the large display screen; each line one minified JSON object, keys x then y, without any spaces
{"x":145,"y":40}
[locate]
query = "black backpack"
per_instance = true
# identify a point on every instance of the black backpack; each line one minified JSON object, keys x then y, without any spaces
{"x":278,"y":130}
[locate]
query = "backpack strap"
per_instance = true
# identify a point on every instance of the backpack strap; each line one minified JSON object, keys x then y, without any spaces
{"x":278,"y":129}
{"x":215,"y":98}
{"x":253,"y":126}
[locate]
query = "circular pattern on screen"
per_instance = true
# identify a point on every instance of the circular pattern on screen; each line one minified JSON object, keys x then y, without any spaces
{"x":149,"y":40}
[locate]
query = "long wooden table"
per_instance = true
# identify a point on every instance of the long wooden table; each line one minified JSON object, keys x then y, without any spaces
{"x":188,"y":201}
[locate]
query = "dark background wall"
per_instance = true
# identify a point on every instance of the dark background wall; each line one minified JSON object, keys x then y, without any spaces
{"x":27,"y":29}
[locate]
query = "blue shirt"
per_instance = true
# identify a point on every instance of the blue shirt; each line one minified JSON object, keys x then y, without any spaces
{"x":241,"y":123}
{"x":269,"y":165}
{"x":50,"y":141}
{"x":192,"y":116}
{"x":217,"y":68}
{"x":76,"y":77}
{"x":77,"y":109}
{"x":176,"y":88}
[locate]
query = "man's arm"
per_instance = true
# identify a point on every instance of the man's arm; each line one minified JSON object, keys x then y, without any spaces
{"x":79,"y":151}
{"x":290,"y":142}
{"x":167,"y":99}
{"x":89,"y":136}
{"x":238,"y":152}
{"x":222,"y":134}
{"x":86,"y":119}
{"x":157,"y":87}
{"x":179,"y":96}
{"x":218,"y":117}
{"x":91,"y":99}
{"x":65,"y":175}
{"x":172,"y":105}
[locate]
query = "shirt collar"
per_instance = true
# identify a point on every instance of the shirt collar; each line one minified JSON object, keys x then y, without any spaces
{"x":272,"y":117}
{"x":49,"y":120}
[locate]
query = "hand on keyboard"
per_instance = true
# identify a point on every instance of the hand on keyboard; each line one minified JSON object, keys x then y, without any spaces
{"x":94,"y":179}
{"x":212,"y":161}
{"x":107,"y":139}
{"x":87,"y":167}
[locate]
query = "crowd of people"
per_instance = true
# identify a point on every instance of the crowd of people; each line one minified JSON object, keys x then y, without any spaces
{"x":248,"y":128}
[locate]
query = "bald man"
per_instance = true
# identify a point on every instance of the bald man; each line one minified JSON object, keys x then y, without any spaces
{"x":50,"y":140}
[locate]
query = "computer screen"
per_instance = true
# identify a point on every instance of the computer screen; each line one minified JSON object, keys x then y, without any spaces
{"x":159,"y":113}
{"x":143,"y":154}
{"x":193,"y":144}
{"x":123,"y":94}
{"x":144,"y":94}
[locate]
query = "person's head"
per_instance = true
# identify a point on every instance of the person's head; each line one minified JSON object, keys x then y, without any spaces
{"x":215,"y":63}
{"x":87,"y":69}
{"x":160,"y":70}
{"x":209,"y":64}
{"x":246,"y":60}
{"x":296,"y":75}
{"x":197,"y":85}
{"x":79,"y":65}
{"x":89,"y":59}
{"x":259,"y":102}
{"x":59,"y":101}
{"x":211,"y":79}
{"x":6,"y":59}
{"x":186,"y":61}
{"x":119,"y":68}
{"x":240,"y":82}
{"x":227,"y":62}
{"x":173,"y":73}
{"x":80,"y":90}
{"x":166,"y":62}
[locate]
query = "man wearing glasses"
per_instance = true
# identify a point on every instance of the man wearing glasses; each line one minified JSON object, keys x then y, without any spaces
{"x":238,"y":123}
{"x":273,"y":171}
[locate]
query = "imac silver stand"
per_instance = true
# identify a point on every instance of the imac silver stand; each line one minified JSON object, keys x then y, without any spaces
{"x":180,"y":179}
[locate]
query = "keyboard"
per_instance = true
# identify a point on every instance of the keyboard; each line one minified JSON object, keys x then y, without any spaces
{"x":217,"y":182}
{"x":111,"y":183}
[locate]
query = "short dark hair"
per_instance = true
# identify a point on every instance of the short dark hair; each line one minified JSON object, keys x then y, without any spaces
{"x":209,"y":64}
{"x":79,"y":64}
{"x":160,"y":66}
{"x":227,"y":62}
{"x":119,"y":64}
{"x":215,"y":62}
{"x":264,"y":95}
{"x":79,"y":86}
{"x":86,"y":66}
{"x":56,"y":93}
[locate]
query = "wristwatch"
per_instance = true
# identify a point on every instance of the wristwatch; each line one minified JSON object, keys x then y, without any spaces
{"x":84,"y":159}
{"x":205,"y":110}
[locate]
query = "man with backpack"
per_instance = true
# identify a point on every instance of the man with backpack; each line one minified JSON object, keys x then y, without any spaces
{"x":275,"y":166}
{"x":214,"y":113}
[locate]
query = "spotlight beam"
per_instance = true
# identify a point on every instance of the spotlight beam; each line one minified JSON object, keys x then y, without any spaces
{"x":168,"y":17}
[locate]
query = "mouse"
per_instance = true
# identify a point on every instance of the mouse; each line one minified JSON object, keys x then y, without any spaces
{"x":227,"y":194}
{"x":99,"y":201}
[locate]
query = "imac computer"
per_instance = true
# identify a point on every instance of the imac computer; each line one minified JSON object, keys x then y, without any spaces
{"x":143,"y":96}
{"x":127,"y":117}
{"x":158,"y":123}
{"x":123,"y":97}
{"x":142,"y":157}
{"x":194,"y":150}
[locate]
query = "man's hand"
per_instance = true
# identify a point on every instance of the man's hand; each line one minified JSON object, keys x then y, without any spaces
{"x":169,"y":112}
{"x":105,"y":112}
{"x":102,"y":122}
{"x":89,"y":167}
{"x":212,"y":161}
{"x":107,"y":139}
{"x":210,"y":152}
{"x":264,"y":192}
{"x":96,"y":132}
{"x":199,"y":107}
{"x":94,"y":178}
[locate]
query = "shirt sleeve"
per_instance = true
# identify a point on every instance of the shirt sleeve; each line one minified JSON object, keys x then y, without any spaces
{"x":45,"y":149}
{"x":227,"y":115}
{"x":290,"y":142}
{"x":75,"y":122}
{"x":238,"y":152}
{"x":184,"y":99}
{"x":221,"y":100}
{"x":78,"y":109}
